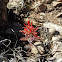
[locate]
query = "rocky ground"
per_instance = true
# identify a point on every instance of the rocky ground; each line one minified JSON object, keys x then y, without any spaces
{"x":44,"y":14}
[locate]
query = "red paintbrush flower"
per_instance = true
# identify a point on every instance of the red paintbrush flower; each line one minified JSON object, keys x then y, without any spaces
{"x":30,"y":33}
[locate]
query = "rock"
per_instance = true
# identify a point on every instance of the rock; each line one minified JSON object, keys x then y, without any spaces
{"x":58,"y":56}
{"x":57,"y":38}
{"x":51,"y":25}
{"x":55,"y":3}
{"x":56,"y":48}
{"x":50,"y":7}
{"x":39,"y":7}
{"x":10,"y":5}
{"x":59,"y":0}
{"x":34,"y":50}
{"x":57,"y":44}
{"x":15,"y":5}
{"x":59,"y":15}
{"x":42,"y":14}
{"x":41,"y":17}
{"x":52,"y":30}
{"x":47,"y":1}
{"x":42,"y":8}
{"x":59,"y":59}
{"x":39,"y":46}
{"x":60,"y":20}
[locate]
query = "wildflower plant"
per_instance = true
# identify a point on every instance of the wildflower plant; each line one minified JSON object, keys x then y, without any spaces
{"x":30,"y":33}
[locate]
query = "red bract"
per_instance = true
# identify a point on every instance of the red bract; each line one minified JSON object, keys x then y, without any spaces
{"x":30,"y":33}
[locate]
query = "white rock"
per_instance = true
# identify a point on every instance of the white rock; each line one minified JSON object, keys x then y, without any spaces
{"x":52,"y":25}
{"x":57,"y":38}
{"x":58,"y":55}
{"x":59,"y":60}
{"x":55,"y":3}
{"x":34,"y":50}
{"x":39,"y":47}
{"x":57,"y":44}
{"x":41,"y":17}
{"x":42,"y":14}
{"x":10,"y":5}
{"x":60,"y":14}
{"x":14,"y":3}
{"x":36,"y":43}
{"x":52,"y":30}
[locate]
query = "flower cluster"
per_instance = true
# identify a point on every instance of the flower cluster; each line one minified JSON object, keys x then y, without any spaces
{"x":30,"y":33}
